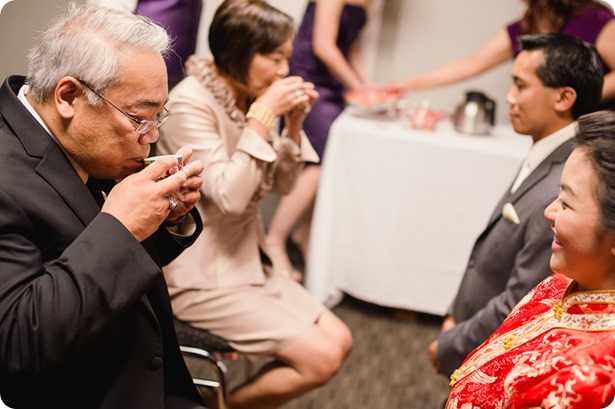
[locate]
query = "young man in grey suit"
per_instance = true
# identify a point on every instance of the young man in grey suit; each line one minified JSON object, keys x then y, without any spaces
{"x":556,"y":79}
{"x":85,"y":317}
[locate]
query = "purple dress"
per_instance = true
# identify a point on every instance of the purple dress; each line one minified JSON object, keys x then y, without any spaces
{"x":305,"y":64}
{"x":181,"y":20}
{"x":586,"y":25}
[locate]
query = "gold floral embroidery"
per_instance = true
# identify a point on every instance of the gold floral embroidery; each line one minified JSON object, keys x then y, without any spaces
{"x":556,"y":317}
{"x":575,"y":311}
{"x":509,"y":341}
{"x":454,"y":377}
{"x":558,"y":310}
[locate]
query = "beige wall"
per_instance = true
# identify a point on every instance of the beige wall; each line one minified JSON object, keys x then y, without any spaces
{"x":429,"y":33}
{"x":20,"y":20}
{"x":403,"y":37}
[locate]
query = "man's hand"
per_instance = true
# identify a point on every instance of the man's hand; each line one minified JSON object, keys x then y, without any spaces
{"x":141,"y":202}
{"x":433,"y":355}
{"x":447,"y":324}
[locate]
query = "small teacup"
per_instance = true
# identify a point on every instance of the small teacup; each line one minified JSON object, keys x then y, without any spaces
{"x":175,"y":169}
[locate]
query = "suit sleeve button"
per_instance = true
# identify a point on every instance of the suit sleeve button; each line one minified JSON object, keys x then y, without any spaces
{"x":155,"y":363}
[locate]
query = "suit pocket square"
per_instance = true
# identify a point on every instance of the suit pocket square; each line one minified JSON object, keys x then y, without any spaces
{"x":509,"y":213}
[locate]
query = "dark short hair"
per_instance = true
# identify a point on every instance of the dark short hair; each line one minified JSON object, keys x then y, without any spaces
{"x":242,"y":28}
{"x":596,"y":136}
{"x":569,"y":62}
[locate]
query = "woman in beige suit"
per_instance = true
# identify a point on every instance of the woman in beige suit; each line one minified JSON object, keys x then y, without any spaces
{"x":225,"y":110}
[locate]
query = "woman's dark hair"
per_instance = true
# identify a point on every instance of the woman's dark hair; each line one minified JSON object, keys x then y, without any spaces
{"x":596,"y":136}
{"x":553,"y":14}
{"x":569,"y":62}
{"x":242,"y":28}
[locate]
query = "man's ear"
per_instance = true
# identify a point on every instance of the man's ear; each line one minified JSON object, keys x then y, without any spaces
{"x":65,"y":95}
{"x":565,"y":99}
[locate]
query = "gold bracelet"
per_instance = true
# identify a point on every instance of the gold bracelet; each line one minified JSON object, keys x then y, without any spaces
{"x":262,"y":114}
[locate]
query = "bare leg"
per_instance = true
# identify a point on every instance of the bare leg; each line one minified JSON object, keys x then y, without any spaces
{"x":301,"y":234}
{"x":308,"y":362}
{"x":288,"y":212}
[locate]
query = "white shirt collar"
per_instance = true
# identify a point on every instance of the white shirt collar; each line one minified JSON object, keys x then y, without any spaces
{"x":22,"y":97}
{"x":544,"y":147}
{"x":540,"y":150}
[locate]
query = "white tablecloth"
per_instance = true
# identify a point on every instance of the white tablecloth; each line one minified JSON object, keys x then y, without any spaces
{"x":398,"y":210}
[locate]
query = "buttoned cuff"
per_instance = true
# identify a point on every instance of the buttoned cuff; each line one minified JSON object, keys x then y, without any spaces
{"x":305,"y":152}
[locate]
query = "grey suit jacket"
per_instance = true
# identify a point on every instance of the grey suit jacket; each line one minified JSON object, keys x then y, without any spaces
{"x":85,"y":318}
{"x":506,"y":262}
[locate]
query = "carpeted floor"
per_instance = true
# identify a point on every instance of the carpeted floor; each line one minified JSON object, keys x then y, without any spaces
{"x":388,"y":367}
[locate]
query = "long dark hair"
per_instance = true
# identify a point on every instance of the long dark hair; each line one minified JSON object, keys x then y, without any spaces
{"x":595,"y":135}
{"x":553,"y":13}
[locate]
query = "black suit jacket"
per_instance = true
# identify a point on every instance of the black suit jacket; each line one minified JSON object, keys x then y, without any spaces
{"x":507,"y":261}
{"x":85,"y":317}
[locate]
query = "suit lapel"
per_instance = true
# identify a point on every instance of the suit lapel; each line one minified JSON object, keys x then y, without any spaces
{"x":558,"y":156}
{"x":54,"y":167}
{"x":67,"y":183}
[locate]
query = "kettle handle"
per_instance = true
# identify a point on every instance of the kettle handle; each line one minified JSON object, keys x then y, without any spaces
{"x":490,"y":108}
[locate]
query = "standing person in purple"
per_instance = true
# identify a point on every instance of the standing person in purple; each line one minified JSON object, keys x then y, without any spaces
{"x":589,"y":20}
{"x":325,"y":52}
{"x":181,"y":20}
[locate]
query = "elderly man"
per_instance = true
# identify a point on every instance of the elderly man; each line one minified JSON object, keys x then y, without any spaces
{"x":85,"y":318}
{"x":556,"y":79}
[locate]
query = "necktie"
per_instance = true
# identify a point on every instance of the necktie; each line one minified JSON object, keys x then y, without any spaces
{"x":94,"y":187}
{"x":523,"y":174}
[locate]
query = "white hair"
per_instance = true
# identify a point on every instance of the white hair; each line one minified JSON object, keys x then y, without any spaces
{"x":86,"y":43}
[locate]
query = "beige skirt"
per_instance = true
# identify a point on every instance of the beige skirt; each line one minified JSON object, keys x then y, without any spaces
{"x":257,"y":321}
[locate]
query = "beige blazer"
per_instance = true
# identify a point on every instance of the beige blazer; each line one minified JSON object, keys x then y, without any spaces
{"x":240,"y":168}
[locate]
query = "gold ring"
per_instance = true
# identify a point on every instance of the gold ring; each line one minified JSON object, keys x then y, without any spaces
{"x":298,"y":93}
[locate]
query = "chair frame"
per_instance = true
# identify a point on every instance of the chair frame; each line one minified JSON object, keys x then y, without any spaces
{"x":203,"y":385}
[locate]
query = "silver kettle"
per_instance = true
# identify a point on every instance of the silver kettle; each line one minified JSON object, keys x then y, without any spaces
{"x":476,"y":115}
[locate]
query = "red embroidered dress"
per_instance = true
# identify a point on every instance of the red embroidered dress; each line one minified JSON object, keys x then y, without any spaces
{"x":556,"y":349}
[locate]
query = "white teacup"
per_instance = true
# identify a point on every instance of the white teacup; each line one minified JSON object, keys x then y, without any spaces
{"x":175,"y":169}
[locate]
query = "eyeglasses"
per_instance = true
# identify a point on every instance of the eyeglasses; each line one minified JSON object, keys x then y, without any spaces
{"x":143,"y":125}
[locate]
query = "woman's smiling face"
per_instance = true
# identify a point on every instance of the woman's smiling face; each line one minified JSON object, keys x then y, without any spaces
{"x":582,"y":250}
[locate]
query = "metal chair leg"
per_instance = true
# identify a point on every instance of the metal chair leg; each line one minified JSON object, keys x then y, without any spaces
{"x":204,"y":385}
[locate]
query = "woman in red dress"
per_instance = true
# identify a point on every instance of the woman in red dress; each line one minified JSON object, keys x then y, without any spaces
{"x":556,"y":349}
